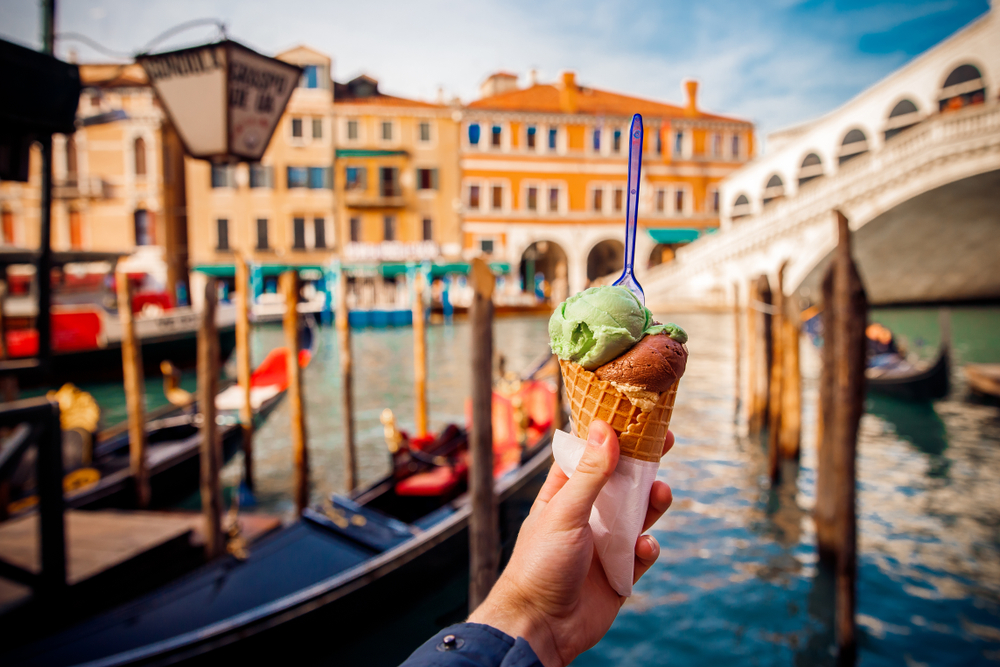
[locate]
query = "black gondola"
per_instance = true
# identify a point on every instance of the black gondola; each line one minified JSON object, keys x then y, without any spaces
{"x":351,"y":581}
{"x":914,"y":383}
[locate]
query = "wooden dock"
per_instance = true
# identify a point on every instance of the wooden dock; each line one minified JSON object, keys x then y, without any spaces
{"x":110,"y":545}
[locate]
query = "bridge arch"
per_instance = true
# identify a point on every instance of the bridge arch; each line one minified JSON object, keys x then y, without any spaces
{"x":810,"y":168}
{"x":855,"y":142}
{"x":904,"y":114}
{"x":964,"y":84}
{"x":773,"y":189}
{"x":741,"y":207}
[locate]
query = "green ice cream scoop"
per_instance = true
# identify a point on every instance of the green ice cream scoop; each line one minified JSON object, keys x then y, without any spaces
{"x":600,"y":323}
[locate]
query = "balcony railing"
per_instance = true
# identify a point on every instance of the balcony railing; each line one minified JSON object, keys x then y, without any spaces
{"x":91,"y":187}
{"x":361,"y":199}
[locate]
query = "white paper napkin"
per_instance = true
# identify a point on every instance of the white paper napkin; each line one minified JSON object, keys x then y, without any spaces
{"x":619,"y":510}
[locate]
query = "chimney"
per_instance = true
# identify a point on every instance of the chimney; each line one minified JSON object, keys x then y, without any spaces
{"x":499,"y":82}
{"x":568,"y":93}
{"x":440,"y":96}
{"x":692,"y":91}
{"x":532,"y":77}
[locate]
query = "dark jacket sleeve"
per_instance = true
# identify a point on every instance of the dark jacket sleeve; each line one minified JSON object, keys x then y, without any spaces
{"x":473,"y":645}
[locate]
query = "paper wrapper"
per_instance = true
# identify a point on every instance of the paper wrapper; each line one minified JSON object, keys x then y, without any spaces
{"x":620,"y":509}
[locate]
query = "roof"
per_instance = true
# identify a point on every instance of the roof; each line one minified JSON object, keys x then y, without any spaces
{"x":545,"y":98}
{"x":386,"y":100}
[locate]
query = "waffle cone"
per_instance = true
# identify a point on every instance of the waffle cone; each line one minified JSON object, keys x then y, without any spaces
{"x":640,"y":434}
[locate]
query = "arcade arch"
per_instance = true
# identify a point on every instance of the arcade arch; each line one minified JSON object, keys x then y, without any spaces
{"x":542,"y":269}
{"x":741,"y":207}
{"x":904,"y":115}
{"x":855,"y":143}
{"x":812,"y":167}
{"x":604,"y":258}
{"x":963,"y":86}
{"x":775,"y":189}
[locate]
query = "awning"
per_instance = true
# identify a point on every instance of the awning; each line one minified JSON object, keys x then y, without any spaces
{"x":367,"y":152}
{"x":229,"y":270}
{"x":385,"y":269}
{"x":674,"y":235}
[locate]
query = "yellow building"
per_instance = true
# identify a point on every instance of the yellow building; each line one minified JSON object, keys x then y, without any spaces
{"x":544,"y":171}
{"x":397,"y":182}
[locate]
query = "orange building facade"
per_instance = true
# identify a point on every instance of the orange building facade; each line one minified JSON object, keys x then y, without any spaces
{"x":544,"y":171}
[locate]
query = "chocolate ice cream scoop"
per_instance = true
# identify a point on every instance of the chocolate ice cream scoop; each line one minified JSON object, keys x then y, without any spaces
{"x":653,"y":364}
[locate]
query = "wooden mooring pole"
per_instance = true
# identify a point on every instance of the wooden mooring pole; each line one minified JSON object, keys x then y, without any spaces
{"x":791,"y":384}
{"x":484,"y":531}
{"x":211,"y":446}
{"x":759,"y":315}
{"x":845,"y":315}
{"x":243,"y":365}
{"x":346,"y":381}
{"x":300,"y":450}
{"x":775,"y":394}
{"x":135,"y":394}
{"x":420,"y":354}
{"x":738,"y":353}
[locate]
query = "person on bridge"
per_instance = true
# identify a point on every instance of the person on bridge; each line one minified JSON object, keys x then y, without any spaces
{"x":553,"y":600}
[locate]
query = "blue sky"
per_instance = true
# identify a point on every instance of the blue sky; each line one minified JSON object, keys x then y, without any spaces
{"x":775,"y":62}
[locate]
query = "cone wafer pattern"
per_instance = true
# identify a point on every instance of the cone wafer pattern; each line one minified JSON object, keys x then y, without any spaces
{"x":640,"y":434}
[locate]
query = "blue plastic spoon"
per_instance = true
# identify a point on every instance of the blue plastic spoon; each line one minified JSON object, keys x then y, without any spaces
{"x":627,"y":279}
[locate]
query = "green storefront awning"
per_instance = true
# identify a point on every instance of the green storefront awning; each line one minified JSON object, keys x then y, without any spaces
{"x":674,"y":235}
{"x":385,"y":269}
{"x":366,"y":152}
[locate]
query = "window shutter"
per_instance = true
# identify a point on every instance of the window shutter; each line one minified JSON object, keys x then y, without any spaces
{"x":328,"y":178}
{"x":434,"y":178}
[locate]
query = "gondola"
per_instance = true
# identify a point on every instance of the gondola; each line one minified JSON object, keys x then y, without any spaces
{"x":356,"y":580}
{"x":984,"y":379}
{"x":912,"y":381}
{"x":173,"y":439}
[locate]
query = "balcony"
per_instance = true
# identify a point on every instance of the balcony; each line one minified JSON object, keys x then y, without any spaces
{"x":92,"y":187}
{"x":361,"y":199}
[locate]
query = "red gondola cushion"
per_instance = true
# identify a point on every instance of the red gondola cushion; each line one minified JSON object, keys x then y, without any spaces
{"x":436,"y":482}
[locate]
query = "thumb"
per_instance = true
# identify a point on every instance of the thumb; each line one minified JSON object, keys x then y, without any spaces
{"x":572,"y":504}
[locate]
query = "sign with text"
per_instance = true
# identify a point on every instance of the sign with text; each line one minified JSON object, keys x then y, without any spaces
{"x":224,"y":99}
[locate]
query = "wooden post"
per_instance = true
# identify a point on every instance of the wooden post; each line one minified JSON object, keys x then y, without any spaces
{"x":211,"y":446}
{"x":752,"y":344}
{"x":243,"y":365}
{"x":3,"y":323}
{"x":761,"y":316}
{"x":346,"y":382}
{"x":420,"y":353}
{"x":842,"y":389}
{"x":791,"y":384}
{"x":774,"y":373}
{"x":300,"y":452}
{"x":135,"y":395}
{"x":484,"y":531}
{"x":738,"y":355}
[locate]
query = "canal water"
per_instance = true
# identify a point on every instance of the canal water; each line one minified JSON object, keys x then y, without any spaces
{"x":737,"y":581}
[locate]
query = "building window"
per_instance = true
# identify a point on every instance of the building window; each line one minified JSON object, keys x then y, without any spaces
{"x":597,"y":139}
{"x":661,"y":200}
{"x":428,"y":229}
{"x":495,"y":136}
{"x":618,"y":200}
{"x":659,"y":142}
{"x":474,"y":134}
{"x":425,"y":132}
{"x":553,"y":136}
{"x":678,"y":143}
{"x":297,"y":128}
{"x":599,"y":199}
{"x":616,"y":144}
{"x":387,"y":130}
{"x":310,"y":76}
{"x":679,"y":200}
{"x":716,"y":145}
{"x":222,"y":176}
{"x":389,"y":228}
{"x":71,"y":163}
{"x":320,"y":178}
{"x":75,"y":230}
{"x":736,"y":146}
{"x":143,"y":220}
{"x":319,"y":232}
{"x":532,"y":131}
{"x":261,"y":176}
{"x":553,"y":200}
{"x":389,"y":181}
{"x":317,"y":128}
{"x":474,"y":197}
{"x":298,"y":177}
{"x":221,"y":233}
{"x":532,"y":199}
{"x":357,"y":178}
{"x":298,"y":233}
{"x":355,"y":230}
{"x":352,"y":130}
{"x":262,"y":234}
{"x":486,"y":245}
{"x":497,"y":197}
{"x":140,"y":157}
{"x":427,"y":179}
{"x":713,"y":201}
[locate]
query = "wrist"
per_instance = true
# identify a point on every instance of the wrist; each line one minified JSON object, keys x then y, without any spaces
{"x":518,"y":620}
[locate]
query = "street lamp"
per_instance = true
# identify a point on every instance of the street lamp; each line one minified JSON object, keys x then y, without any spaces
{"x":224,"y":99}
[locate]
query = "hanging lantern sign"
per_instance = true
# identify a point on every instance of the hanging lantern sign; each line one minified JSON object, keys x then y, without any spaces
{"x":224,"y":99}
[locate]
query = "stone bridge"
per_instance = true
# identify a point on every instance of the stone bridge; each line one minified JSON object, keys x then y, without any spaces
{"x":913,"y":162}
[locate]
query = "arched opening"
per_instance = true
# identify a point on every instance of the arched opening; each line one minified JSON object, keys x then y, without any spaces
{"x":144,"y":229}
{"x":71,"y":162}
{"x":140,"y":156}
{"x":741,"y":207}
{"x":775,"y":189}
{"x":964,"y":86}
{"x":543,"y":271}
{"x":605,"y":258}
{"x":855,"y":143}
{"x":662,"y":253}
{"x":812,"y":167}
{"x":904,"y":115}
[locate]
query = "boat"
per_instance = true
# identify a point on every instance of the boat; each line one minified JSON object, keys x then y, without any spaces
{"x":984,"y":379}
{"x":359,"y":579}
{"x":102,"y":478}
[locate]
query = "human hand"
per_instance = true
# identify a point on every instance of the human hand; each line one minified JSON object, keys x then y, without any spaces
{"x":554,"y":592}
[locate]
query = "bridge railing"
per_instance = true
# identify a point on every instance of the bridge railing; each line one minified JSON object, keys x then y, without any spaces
{"x":922,"y":144}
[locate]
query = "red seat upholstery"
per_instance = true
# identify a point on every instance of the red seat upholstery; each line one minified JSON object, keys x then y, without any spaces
{"x":436,"y":482}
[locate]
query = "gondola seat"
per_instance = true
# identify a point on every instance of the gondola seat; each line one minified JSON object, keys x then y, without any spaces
{"x":437,"y":482}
